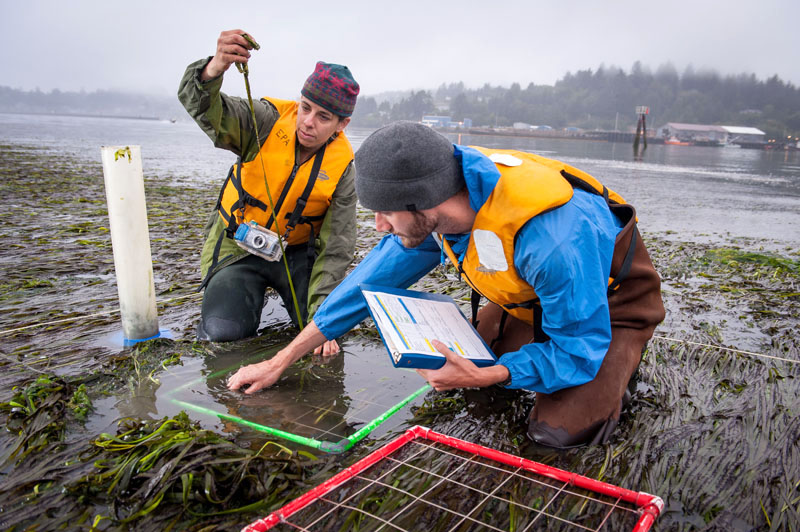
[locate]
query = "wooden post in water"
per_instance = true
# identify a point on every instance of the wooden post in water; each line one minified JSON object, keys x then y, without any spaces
{"x":641,"y":129}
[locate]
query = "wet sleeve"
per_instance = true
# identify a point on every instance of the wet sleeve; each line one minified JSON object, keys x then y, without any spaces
{"x":566,"y":256}
{"x":388,"y":264}
{"x":225,"y":119}
{"x":337,"y":241}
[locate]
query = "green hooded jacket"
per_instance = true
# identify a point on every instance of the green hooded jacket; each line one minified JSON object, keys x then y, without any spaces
{"x":228,"y":123}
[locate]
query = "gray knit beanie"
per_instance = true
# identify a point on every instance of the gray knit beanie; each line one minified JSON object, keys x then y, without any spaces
{"x":406,"y":166}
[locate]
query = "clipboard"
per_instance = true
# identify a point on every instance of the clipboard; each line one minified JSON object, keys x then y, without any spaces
{"x":408,"y":321}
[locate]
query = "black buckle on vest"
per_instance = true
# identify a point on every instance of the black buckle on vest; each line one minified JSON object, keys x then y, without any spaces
{"x":293,"y":221}
{"x":527,"y":304}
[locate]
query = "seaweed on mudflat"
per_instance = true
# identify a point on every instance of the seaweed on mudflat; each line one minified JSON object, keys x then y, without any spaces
{"x":152,"y":475}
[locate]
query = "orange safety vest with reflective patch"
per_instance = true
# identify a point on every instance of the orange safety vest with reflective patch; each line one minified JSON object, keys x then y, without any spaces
{"x":529,"y":185}
{"x":244,"y":195}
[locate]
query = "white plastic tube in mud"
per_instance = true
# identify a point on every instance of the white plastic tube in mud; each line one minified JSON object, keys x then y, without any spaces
{"x":130,"y":239}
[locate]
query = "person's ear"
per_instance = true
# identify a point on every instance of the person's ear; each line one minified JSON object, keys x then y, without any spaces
{"x":342,"y":124}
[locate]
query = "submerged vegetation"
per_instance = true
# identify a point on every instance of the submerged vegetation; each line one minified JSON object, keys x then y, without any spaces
{"x":38,"y":416}
{"x":712,"y":428}
{"x":151,"y":475}
{"x":154,"y":474}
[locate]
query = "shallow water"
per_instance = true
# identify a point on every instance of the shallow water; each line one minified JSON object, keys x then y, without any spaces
{"x":695,"y":405}
{"x":322,"y":400}
{"x":701,"y":194}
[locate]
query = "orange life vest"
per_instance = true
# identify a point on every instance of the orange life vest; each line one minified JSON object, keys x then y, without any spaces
{"x":244,"y":195}
{"x":529,"y":185}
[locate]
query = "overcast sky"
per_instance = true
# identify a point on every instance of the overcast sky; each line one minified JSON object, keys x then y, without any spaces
{"x":145,"y":45}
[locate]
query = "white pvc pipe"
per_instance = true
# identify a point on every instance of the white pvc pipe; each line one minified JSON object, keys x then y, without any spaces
{"x":130,"y":240}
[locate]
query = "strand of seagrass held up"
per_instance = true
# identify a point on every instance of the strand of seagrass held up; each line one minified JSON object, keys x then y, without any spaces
{"x":245,"y":71}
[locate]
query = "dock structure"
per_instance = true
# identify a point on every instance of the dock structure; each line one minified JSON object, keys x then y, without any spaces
{"x":714,"y":135}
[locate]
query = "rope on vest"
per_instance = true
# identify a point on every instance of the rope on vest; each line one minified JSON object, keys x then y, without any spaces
{"x":244,"y":69}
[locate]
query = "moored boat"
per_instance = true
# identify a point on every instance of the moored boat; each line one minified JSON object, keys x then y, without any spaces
{"x":675,"y":141}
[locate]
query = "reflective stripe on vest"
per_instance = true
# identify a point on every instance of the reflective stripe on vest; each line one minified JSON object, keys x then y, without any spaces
{"x":278,"y":156}
{"x":529,"y":185}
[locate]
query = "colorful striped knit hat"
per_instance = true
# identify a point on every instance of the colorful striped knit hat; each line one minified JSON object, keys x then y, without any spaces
{"x":332,"y":86}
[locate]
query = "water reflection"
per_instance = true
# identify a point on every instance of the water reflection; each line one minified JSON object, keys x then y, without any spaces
{"x":309,"y":399}
{"x":326,"y":401}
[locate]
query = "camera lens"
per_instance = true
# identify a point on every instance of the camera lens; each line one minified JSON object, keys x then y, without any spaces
{"x":259,"y":241}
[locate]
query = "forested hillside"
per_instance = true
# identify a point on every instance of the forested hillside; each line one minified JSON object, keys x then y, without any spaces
{"x":605,"y":97}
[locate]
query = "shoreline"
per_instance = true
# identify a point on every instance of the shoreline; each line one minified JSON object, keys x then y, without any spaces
{"x":698,"y":397}
{"x":85,"y":115}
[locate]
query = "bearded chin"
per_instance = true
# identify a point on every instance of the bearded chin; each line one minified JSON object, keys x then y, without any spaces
{"x":412,"y":241}
{"x":418,"y":231}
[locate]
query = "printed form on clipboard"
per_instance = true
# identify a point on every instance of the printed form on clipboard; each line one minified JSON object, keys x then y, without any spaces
{"x":408,"y":322}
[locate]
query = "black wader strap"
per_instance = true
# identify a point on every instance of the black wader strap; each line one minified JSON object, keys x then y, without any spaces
{"x":499,"y":336}
{"x":214,"y":262}
{"x":237,"y":183}
{"x":282,"y":198}
{"x":222,"y":189}
{"x":625,"y":269}
{"x":475,"y":300}
{"x":535,"y":305}
{"x":230,"y":220}
{"x":539,"y":335}
{"x":577,"y":182}
{"x":297,"y":213}
{"x":294,"y":218}
{"x":311,"y":250}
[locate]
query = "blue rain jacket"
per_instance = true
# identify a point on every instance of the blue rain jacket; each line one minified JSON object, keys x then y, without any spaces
{"x":565,"y":254}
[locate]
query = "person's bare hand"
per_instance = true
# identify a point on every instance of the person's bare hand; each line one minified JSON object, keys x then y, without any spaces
{"x":457,"y":371}
{"x":327,"y":350}
{"x":256,"y":376}
{"x":231,"y":48}
{"x":461,"y":372}
{"x":266,"y":373}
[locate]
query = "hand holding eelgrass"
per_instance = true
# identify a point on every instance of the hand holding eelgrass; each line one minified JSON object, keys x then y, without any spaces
{"x":233,"y":46}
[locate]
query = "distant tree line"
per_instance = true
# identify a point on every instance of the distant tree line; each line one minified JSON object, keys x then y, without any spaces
{"x":97,"y":103}
{"x":606,"y":98}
